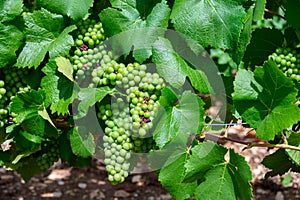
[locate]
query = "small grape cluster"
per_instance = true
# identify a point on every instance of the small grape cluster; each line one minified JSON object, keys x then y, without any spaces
{"x":90,"y":54}
{"x":116,"y":141}
{"x":12,"y":82}
{"x":288,"y":61}
{"x":90,"y":33}
{"x":48,"y":156}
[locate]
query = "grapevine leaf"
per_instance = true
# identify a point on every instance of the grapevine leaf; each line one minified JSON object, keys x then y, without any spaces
{"x":27,"y":104}
{"x":174,"y":69}
{"x":44,"y":114}
{"x":294,"y":140}
{"x":218,"y":178}
{"x":168,"y":64}
{"x":218,"y":184}
{"x":32,"y":138}
{"x":279,"y":163}
{"x":209,"y":22}
{"x":60,"y":90}
{"x":45,"y":32}
{"x":199,"y":81}
{"x":265,"y":99}
{"x":259,"y":10}
{"x":10,"y":41}
{"x":241,"y":175}
{"x":244,"y":39}
{"x":124,"y":15}
{"x":89,"y":96}
{"x":172,"y":174}
{"x":10,"y":9}
{"x":292,"y":13}
{"x":67,"y":154}
{"x":183,"y":118}
{"x":204,"y":156}
{"x":32,"y":113}
{"x":263,"y":43}
{"x":82,"y":142}
{"x":76,"y":9}
{"x":64,"y":66}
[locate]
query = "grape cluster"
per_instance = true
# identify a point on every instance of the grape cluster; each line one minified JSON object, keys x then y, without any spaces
{"x":90,"y":54}
{"x":48,"y":155}
{"x":288,"y":61}
{"x":116,"y":141}
{"x":90,"y":33}
{"x":129,"y":119}
{"x":12,"y":82}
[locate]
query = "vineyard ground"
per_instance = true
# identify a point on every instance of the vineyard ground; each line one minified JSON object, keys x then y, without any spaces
{"x":64,"y":182}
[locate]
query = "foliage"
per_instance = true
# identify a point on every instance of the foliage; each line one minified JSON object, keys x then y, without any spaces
{"x":82,"y":56}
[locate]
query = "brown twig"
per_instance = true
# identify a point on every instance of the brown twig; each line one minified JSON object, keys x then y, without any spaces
{"x":214,"y":137}
{"x":274,"y":13}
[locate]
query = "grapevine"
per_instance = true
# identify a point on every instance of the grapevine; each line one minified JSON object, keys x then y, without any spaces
{"x":125,"y":82}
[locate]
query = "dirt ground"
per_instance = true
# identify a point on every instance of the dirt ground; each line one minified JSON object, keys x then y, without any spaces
{"x":67,"y":183}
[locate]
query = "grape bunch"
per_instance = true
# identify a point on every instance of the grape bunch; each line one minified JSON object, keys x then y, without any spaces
{"x":116,"y":141}
{"x":11,"y":83}
{"x":48,"y":155}
{"x":288,"y":61}
{"x":90,"y":33}
{"x":129,"y":119}
{"x":90,"y":54}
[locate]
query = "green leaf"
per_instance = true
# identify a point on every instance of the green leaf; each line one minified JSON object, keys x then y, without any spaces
{"x":279,"y":163}
{"x":292,"y":13}
{"x":244,"y":39}
{"x":218,"y":184}
{"x":294,"y":139}
{"x":45,"y":32}
{"x":27,"y":104}
{"x":219,"y":179}
{"x":204,"y":156}
{"x":10,"y":41}
{"x":60,"y":90}
{"x":32,"y":114}
{"x":89,"y":96}
{"x":263,"y":43}
{"x":65,"y":67}
{"x":124,"y":16}
{"x":199,"y":81}
{"x":168,"y":64}
{"x":172,"y":174}
{"x":10,"y":9}
{"x":76,"y":9}
{"x":259,"y":10}
{"x":173,"y":68}
{"x":209,"y":22}
{"x":184,"y":118}
{"x":265,"y":99}
{"x":32,"y":138}
{"x":241,"y":175}
{"x":82,"y":142}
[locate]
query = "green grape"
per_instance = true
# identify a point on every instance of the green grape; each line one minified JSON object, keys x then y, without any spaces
{"x":48,"y":155}
{"x":288,"y":61}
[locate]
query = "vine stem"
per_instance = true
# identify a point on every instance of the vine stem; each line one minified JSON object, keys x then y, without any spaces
{"x":210,"y":136}
{"x":274,"y":13}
